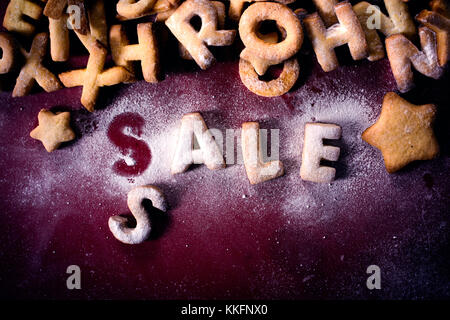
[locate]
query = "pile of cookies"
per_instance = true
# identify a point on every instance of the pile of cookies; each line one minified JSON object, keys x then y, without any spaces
{"x":334,"y":24}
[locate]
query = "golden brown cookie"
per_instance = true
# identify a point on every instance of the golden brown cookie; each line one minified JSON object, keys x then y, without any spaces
{"x":53,"y":129}
{"x":403,"y":132}
{"x":347,"y":31}
{"x":8,"y":48}
{"x":194,"y":41}
{"x":272,"y":88}
{"x":402,"y":53}
{"x":94,"y":76}
{"x":372,"y":19}
{"x":260,"y":53}
{"x":441,"y":26}
{"x":145,"y":51}
{"x":18,"y":14}
{"x":33,"y":70}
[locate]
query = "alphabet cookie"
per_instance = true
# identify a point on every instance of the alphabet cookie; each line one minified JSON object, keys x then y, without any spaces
{"x":133,"y":9}
{"x":325,"y":9}
{"x":402,"y":53}
{"x":236,"y":7}
{"x":8,"y":48}
{"x":53,"y":129}
{"x":314,"y":151}
{"x":193,"y":125}
{"x":441,"y":26}
{"x":33,"y":70}
{"x":118,"y":225}
{"x":94,"y":76}
{"x":55,"y":9}
{"x":272,"y":88}
{"x":257,"y":170}
{"x":262,"y":54}
{"x":146,"y":50}
{"x":373,"y":20}
{"x":403,"y":132}
{"x":348,"y":31}
{"x":195,"y":42}
{"x":220,"y":7}
{"x":15,"y":14}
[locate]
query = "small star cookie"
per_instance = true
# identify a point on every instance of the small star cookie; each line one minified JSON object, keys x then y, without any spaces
{"x":403,"y":132}
{"x":53,"y":129}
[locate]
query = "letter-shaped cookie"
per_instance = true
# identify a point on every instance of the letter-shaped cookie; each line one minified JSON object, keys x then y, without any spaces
{"x":33,"y":70}
{"x":272,"y":88}
{"x":220,"y":7}
{"x":260,"y":53}
{"x":8,"y":48}
{"x":118,"y":225}
{"x":402,"y":53}
{"x":54,"y":9}
{"x":236,"y":7}
{"x":325,"y":8}
{"x":398,"y":21}
{"x":314,"y":151}
{"x":257,"y":170}
{"x":59,"y":32}
{"x":146,"y":50}
{"x":94,"y":76}
{"x":133,"y":9}
{"x":14,"y":16}
{"x":195,"y":42}
{"x":441,"y":26}
{"x":348,"y":31}
{"x":194,"y":127}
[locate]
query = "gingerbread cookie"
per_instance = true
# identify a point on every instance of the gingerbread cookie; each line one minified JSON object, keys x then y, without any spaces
{"x":196,"y":42}
{"x":16,"y":15}
{"x":402,"y":53}
{"x":53,"y":129}
{"x":208,"y":153}
{"x":403,"y":132}
{"x":314,"y":151}
{"x":257,"y":170}
{"x":33,"y":70}
{"x":347,"y":31}
{"x":118,"y":225}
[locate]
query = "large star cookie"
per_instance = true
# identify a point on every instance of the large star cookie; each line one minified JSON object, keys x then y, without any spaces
{"x":53,"y":129}
{"x":403,"y":132}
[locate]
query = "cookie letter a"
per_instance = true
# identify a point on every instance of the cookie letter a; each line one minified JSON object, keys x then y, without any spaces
{"x":193,"y":125}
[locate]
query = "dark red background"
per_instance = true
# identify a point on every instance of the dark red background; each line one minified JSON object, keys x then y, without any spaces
{"x":223,"y":247}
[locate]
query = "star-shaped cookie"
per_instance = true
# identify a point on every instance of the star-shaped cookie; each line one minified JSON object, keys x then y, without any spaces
{"x":53,"y":129}
{"x":403,"y":132}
